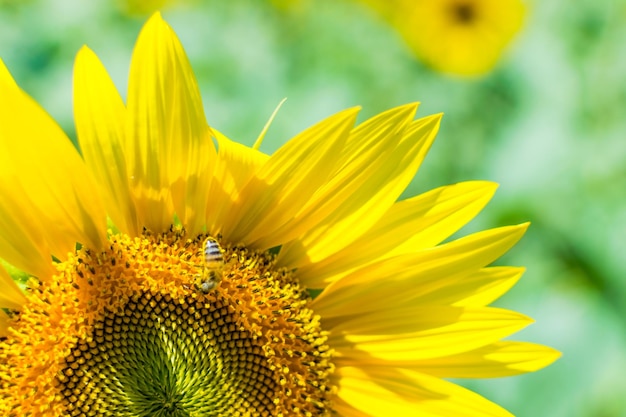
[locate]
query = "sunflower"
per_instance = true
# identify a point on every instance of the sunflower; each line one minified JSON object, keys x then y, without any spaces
{"x":463,"y":37}
{"x":174,"y":272}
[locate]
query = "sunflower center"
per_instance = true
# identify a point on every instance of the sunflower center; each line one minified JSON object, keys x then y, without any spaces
{"x":463,"y":12}
{"x":160,"y":357}
{"x":140,"y":334}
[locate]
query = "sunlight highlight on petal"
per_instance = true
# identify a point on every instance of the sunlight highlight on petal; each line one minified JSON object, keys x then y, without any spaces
{"x":411,"y":334}
{"x":171,"y":151}
{"x":475,"y":290}
{"x":22,"y":243}
{"x":493,"y":361}
{"x":395,"y":392}
{"x":289,"y":178}
{"x":100,"y":117}
{"x":372,"y":156}
{"x":234,"y":166}
{"x":399,"y":281}
{"x":54,"y":184}
{"x":407,"y":226}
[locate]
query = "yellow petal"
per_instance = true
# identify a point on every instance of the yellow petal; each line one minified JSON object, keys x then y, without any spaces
{"x":191,"y":192}
{"x":259,"y":140}
{"x":100,"y":118}
{"x":368,"y":148}
{"x":384,"y":392}
{"x":416,"y":333}
{"x":11,"y":296}
{"x":234,"y":166}
{"x":392,"y":283}
{"x":287,"y":180}
{"x":478,"y":289}
{"x":170,"y":151}
{"x":6,"y":78}
{"x":492,"y":361}
{"x":22,"y":243}
{"x":43,"y":176}
{"x":362,"y":191}
{"x":409,"y":225}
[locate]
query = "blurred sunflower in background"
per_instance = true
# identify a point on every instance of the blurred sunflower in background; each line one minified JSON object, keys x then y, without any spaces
{"x":463,"y":37}
{"x":174,"y":272}
{"x":460,"y":37}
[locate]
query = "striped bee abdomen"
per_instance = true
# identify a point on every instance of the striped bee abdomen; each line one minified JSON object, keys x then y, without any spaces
{"x":213,"y":265}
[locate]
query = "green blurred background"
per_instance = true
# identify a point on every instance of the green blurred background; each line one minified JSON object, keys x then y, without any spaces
{"x":547,"y":124}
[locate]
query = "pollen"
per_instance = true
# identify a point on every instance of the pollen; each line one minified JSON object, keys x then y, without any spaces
{"x":130,"y":332}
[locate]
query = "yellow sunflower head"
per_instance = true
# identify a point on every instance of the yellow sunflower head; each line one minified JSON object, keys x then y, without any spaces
{"x":463,"y":37}
{"x":197,"y":300}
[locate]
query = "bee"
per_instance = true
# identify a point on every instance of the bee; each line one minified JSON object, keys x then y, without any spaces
{"x":213,"y":266}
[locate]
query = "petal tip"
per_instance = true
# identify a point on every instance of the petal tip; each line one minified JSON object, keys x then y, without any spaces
{"x":156,"y":16}
{"x":156,"y":21}
{"x":84,"y":54}
{"x":154,"y":27}
{"x":5,"y":76}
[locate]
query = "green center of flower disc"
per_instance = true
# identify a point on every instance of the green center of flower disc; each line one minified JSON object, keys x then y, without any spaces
{"x":160,"y":357}
{"x":130,"y":332}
